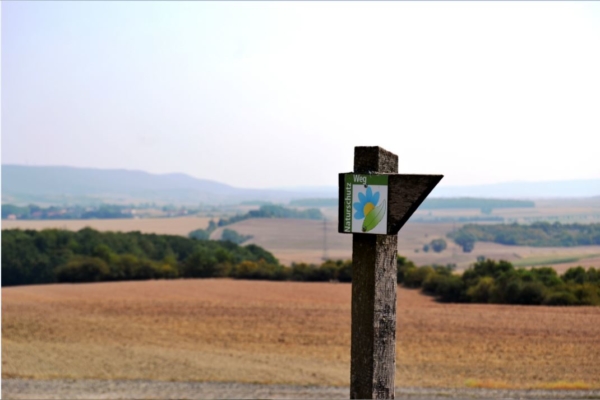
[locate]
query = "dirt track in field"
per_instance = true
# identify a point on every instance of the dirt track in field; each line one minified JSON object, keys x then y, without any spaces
{"x":140,"y":389}
{"x":284,"y":333}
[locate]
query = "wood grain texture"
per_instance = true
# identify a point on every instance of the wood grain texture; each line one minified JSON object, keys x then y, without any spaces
{"x":373,"y":351}
{"x":374,"y":159}
{"x":405,"y":195}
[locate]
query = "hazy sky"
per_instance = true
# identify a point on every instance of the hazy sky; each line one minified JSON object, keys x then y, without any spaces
{"x":277,"y":94}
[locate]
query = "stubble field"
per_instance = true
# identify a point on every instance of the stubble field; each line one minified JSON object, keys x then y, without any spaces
{"x":284,"y":333}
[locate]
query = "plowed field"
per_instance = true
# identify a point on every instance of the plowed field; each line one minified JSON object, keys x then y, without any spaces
{"x":283,"y":332}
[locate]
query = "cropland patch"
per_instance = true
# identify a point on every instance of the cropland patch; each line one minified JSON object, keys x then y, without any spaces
{"x":167,"y":226}
{"x":293,"y":240}
{"x":283,"y":333}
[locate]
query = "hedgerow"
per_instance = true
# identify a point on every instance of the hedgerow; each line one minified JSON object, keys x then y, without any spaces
{"x":51,"y":256}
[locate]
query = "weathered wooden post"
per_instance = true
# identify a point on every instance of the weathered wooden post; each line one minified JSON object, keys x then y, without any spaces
{"x":374,"y":203}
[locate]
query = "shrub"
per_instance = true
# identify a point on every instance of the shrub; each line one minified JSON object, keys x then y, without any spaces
{"x":483,"y":291}
{"x":402,"y":266}
{"x":301,"y":271}
{"x":531,"y":293}
{"x":201,"y":264}
{"x":414,"y":277}
{"x":466,"y":240}
{"x":261,"y":254}
{"x":511,"y":292}
{"x":166,"y":271}
{"x":450,"y":289}
{"x":593,"y":275}
{"x":444,"y":269}
{"x":492,"y":268}
{"x":431,"y":283}
{"x":259,"y":270}
{"x":345,"y":272}
{"x":199,"y":234}
{"x":312,"y":273}
{"x":576,"y":275}
{"x":586,"y":294}
{"x":83,"y":269}
{"x":438,"y":245}
{"x":547,"y":276}
{"x":560,"y":299}
{"x":234,"y":237}
{"x":145,"y":269}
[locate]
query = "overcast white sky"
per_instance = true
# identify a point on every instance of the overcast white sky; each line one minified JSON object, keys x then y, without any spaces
{"x":277,"y":94}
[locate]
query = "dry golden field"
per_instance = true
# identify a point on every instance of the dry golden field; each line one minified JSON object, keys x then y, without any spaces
{"x":284,"y":332}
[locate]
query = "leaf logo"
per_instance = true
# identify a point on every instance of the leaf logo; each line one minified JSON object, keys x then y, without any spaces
{"x":374,"y":217}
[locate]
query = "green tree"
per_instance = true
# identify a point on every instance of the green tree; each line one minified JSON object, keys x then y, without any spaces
{"x":201,"y":264}
{"x":403,"y":265}
{"x":83,"y":269}
{"x":466,"y":241}
{"x":483,"y":291}
{"x":438,"y":245}
{"x":199,"y":234}
{"x":234,"y":237}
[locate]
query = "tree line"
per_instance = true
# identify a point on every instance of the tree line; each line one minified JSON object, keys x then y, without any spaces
{"x":55,"y":256}
{"x":433,"y":203}
{"x":273,"y":211}
{"x":537,"y":234}
{"x":34,"y":212}
{"x":499,"y":282}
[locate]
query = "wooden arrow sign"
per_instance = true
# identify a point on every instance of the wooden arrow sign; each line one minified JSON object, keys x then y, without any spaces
{"x":380,"y":203}
{"x":375,"y":202}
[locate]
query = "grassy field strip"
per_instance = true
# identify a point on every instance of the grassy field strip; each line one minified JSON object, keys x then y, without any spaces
{"x":552,"y":259}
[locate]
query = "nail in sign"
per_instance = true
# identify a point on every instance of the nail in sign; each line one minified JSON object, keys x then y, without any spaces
{"x":365,"y":204}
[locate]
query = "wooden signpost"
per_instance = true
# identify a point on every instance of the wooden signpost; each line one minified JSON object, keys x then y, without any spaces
{"x":374,"y":203}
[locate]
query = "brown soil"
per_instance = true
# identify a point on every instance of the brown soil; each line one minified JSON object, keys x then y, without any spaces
{"x":284,"y":333}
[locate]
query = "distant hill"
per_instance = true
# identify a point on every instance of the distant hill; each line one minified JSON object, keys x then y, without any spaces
{"x":505,"y":190}
{"x":60,"y":185}
{"x":523,"y":190}
{"x":24,"y":184}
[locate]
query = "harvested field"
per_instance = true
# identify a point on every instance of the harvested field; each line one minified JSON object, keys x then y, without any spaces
{"x":168,"y":226}
{"x":284,"y":333}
